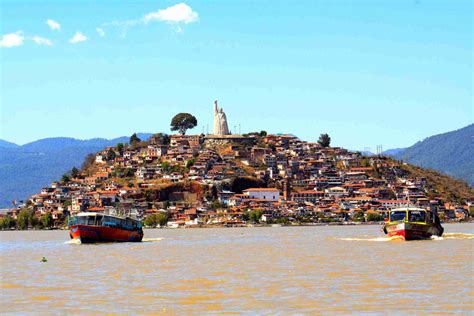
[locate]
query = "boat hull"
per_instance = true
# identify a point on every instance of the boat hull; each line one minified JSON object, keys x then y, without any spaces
{"x":412,"y":231}
{"x":94,"y":234}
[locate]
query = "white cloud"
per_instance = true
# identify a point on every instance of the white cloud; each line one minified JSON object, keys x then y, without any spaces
{"x":179,"y":13}
{"x":53,"y":24}
{"x":100,"y":31}
{"x":12,"y":39}
{"x":42,"y":41}
{"x":175,"y":15}
{"x":77,"y":38}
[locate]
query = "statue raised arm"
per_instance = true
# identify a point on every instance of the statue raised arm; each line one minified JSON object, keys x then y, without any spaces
{"x":216,"y":109}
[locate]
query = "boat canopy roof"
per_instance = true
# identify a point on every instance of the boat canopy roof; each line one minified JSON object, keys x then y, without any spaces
{"x":89,"y":214}
{"x":404,"y":209}
{"x":85,"y":214}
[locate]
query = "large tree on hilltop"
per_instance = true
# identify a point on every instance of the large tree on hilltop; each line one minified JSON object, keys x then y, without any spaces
{"x":324,"y":140}
{"x":120,"y":148}
{"x":160,"y":139}
{"x":74,"y":172}
{"x":182,"y":122}
{"x":111,"y":155}
{"x":134,"y":139}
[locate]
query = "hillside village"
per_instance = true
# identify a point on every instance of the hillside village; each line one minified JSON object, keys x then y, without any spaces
{"x":236,"y":180}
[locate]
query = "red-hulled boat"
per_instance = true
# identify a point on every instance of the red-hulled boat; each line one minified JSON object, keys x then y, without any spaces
{"x":91,"y":227}
{"x":413,"y":224}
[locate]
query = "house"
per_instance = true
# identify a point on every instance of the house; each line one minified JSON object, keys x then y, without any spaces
{"x":336,"y":192}
{"x":312,"y":196}
{"x":225,"y":196}
{"x":100,"y":158}
{"x":268,"y":194}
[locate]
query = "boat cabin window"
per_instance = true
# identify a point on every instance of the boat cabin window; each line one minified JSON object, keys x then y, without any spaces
{"x":417,"y":216}
{"x":99,"y":219}
{"x":90,"y":220}
{"x":397,"y":216}
{"x":82,"y":220}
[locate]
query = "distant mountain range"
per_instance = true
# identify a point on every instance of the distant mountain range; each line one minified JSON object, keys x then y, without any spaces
{"x":5,"y":144}
{"x":394,"y":151}
{"x":25,"y":169}
{"x":451,"y":153}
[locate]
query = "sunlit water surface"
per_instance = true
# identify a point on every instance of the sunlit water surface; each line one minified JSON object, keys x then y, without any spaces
{"x":297,"y":270}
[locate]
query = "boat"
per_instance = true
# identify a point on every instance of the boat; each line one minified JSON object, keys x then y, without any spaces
{"x":92,"y":227}
{"x":412,"y":223}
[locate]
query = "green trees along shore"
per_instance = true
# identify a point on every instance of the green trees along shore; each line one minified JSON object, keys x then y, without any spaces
{"x":27,"y":219}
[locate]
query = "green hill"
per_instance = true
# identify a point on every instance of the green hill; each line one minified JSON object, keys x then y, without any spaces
{"x":451,"y":153}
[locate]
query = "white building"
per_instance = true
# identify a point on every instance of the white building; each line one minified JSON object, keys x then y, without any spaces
{"x":336,"y":192}
{"x":269,"y":194}
{"x":99,"y":158}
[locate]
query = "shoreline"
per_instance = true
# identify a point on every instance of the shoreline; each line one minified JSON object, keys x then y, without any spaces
{"x":252,"y":226}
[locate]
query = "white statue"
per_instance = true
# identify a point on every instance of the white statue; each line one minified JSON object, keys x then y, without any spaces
{"x":220,"y":121}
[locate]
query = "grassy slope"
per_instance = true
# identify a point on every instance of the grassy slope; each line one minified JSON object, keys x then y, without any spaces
{"x":451,"y":153}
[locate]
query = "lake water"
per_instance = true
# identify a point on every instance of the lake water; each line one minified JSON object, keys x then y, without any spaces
{"x":298,"y":270}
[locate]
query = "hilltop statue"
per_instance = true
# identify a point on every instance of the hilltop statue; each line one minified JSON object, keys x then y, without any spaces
{"x":220,"y":121}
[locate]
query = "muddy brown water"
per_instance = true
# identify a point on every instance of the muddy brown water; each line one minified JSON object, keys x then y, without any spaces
{"x":286,"y":270}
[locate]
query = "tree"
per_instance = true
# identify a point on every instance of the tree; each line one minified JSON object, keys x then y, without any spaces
{"x":88,"y":161}
{"x":190,"y":163}
{"x":365,"y":162}
{"x":374,"y":217}
{"x":6,"y":222}
{"x":165,"y":167}
{"x":359,"y":216}
{"x":162,"y":218}
{"x":150,"y":221}
{"x":263,"y":133}
{"x":32,"y":219}
{"x":324,"y":140}
{"x":120,"y":148}
{"x":255,"y":216}
{"x":111,"y":155}
{"x":22,"y":219}
{"x":47,"y":220}
{"x":74,"y":172}
{"x":182,"y":122}
{"x":211,"y":193}
{"x":160,"y":139}
{"x":65,"y":178}
{"x":156,"y":219}
{"x":283,"y":221}
{"x":128,"y":173}
{"x":242,"y":183}
{"x":134,"y":139}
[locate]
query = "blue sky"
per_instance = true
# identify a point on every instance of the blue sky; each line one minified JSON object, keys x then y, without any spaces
{"x":365,"y":72}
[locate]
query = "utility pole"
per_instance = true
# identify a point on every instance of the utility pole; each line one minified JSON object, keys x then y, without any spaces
{"x":379,"y":150}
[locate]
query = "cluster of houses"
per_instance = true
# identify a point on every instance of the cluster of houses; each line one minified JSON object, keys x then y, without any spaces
{"x":297,"y":181}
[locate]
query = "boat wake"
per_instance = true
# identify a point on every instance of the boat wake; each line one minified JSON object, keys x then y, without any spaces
{"x":78,"y":241}
{"x":73,"y":242}
{"x":152,"y":239}
{"x":398,"y":238}
{"x":377,"y":239}
{"x":454,"y":236}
